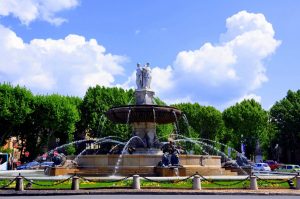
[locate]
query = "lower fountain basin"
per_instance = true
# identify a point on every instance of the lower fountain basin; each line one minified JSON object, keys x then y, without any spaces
{"x":142,"y":164}
{"x":143,"y":113}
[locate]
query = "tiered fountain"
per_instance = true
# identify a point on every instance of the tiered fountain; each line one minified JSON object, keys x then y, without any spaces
{"x":143,"y":160}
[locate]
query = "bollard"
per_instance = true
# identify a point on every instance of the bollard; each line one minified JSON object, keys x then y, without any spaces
{"x":253,"y":183}
{"x":196,"y":182}
{"x":19,"y":183}
{"x":75,"y":183}
{"x":298,"y":182}
{"x":136,"y":182}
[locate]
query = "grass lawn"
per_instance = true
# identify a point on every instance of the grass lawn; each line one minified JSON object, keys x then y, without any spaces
{"x":187,"y":184}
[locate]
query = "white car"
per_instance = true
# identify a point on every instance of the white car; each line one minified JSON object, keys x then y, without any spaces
{"x":261,"y":167}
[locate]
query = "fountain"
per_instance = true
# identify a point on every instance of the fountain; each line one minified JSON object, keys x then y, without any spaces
{"x":143,"y":154}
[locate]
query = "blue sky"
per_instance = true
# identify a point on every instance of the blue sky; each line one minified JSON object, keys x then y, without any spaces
{"x":212,"y":52}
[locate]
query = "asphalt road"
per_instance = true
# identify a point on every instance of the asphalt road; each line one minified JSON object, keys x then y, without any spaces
{"x":154,"y":197}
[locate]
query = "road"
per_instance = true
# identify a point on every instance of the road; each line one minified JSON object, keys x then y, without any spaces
{"x":155,"y":197}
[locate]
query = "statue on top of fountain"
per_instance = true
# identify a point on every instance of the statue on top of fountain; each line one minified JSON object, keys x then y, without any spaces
{"x":143,"y":76}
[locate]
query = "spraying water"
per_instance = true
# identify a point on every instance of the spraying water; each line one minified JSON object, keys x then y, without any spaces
{"x":117,"y":166}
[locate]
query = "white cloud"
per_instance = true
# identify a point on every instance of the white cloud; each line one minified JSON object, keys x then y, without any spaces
{"x":162,"y":79}
{"x":229,"y":70}
{"x":67,"y":66}
{"x":29,"y":10}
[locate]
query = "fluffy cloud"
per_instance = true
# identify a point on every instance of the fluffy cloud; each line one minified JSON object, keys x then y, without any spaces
{"x":29,"y":10}
{"x":67,"y":66}
{"x":233,"y":68}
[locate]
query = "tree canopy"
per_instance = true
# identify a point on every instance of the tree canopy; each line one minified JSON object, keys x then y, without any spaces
{"x":285,"y":115}
{"x":41,"y":122}
{"x":246,"y":123}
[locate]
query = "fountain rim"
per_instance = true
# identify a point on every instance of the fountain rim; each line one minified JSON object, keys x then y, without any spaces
{"x":148,"y":108}
{"x":145,"y":105}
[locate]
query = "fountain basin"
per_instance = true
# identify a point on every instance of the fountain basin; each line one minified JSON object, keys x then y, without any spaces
{"x":143,"y":164}
{"x":143,"y":113}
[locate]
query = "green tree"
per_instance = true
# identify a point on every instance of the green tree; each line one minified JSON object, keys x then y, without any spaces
{"x":96,"y":102}
{"x":246,"y":122}
{"x":200,"y":122}
{"x":285,"y":115}
{"x":15,"y":106}
{"x":54,"y":118}
{"x":206,"y":121}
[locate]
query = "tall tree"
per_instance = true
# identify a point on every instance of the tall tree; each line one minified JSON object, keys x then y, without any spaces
{"x":96,"y":102}
{"x":285,"y":114}
{"x":52,"y":122}
{"x":206,"y":121}
{"x":246,"y":122}
{"x":15,"y":106}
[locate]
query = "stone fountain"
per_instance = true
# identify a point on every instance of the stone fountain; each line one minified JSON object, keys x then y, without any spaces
{"x":144,"y":116}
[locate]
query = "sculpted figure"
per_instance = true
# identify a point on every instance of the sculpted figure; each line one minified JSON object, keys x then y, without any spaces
{"x":139,"y":77}
{"x":146,"y":76}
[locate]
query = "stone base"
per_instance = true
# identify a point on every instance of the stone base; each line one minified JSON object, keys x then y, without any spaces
{"x":144,"y":96}
{"x":148,"y":151}
{"x":142,"y":164}
{"x":170,"y":171}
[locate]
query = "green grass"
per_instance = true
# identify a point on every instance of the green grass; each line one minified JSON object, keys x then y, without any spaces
{"x":187,"y":184}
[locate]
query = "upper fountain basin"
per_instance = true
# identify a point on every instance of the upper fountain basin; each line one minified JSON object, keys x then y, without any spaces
{"x":143,"y":113}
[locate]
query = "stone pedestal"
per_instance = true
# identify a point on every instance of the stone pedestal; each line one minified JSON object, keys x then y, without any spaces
{"x":196,"y":182}
{"x":147,"y":132}
{"x":170,"y":171}
{"x":144,"y":96}
{"x":253,"y":183}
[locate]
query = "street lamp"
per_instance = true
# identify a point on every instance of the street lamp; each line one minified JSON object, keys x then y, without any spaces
{"x":57,"y":140}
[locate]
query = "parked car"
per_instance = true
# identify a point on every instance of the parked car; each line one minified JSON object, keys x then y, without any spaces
{"x":44,"y":165}
{"x":288,"y":168}
{"x":29,"y":165}
{"x":272,"y":164}
{"x":261,"y":167}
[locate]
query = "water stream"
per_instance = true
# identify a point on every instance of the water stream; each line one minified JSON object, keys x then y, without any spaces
{"x":117,"y":166}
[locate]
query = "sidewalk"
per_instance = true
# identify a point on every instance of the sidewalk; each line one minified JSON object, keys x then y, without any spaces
{"x":290,"y":192}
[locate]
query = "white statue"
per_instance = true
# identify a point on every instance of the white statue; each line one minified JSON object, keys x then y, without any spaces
{"x":147,"y":76}
{"x":143,"y":76}
{"x":139,"y":77}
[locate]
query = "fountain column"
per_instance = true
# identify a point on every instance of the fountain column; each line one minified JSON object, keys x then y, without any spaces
{"x":144,"y":96}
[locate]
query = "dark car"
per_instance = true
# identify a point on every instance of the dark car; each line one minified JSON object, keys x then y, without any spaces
{"x":44,"y":165}
{"x":29,"y":165}
{"x":272,"y":164}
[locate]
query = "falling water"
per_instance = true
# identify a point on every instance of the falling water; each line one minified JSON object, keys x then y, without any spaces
{"x":128,"y":116}
{"x":185,"y":120}
{"x":210,"y":146}
{"x":130,"y":101}
{"x":213,"y":141}
{"x":192,"y":141}
{"x":176,"y":123}
{"x":98,"y":142}
{"x":205,"y":144}
{"x":154,"y":116}
{"x":221,"y":144}
{"x":68,"y":144}
{"x":117,"y":166}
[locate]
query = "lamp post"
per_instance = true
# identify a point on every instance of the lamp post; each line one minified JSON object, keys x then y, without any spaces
{"x":57,"y":140}
{"x":242,"y":145}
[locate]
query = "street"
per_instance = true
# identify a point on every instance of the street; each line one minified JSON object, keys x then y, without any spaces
{"x":155,"y":197}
